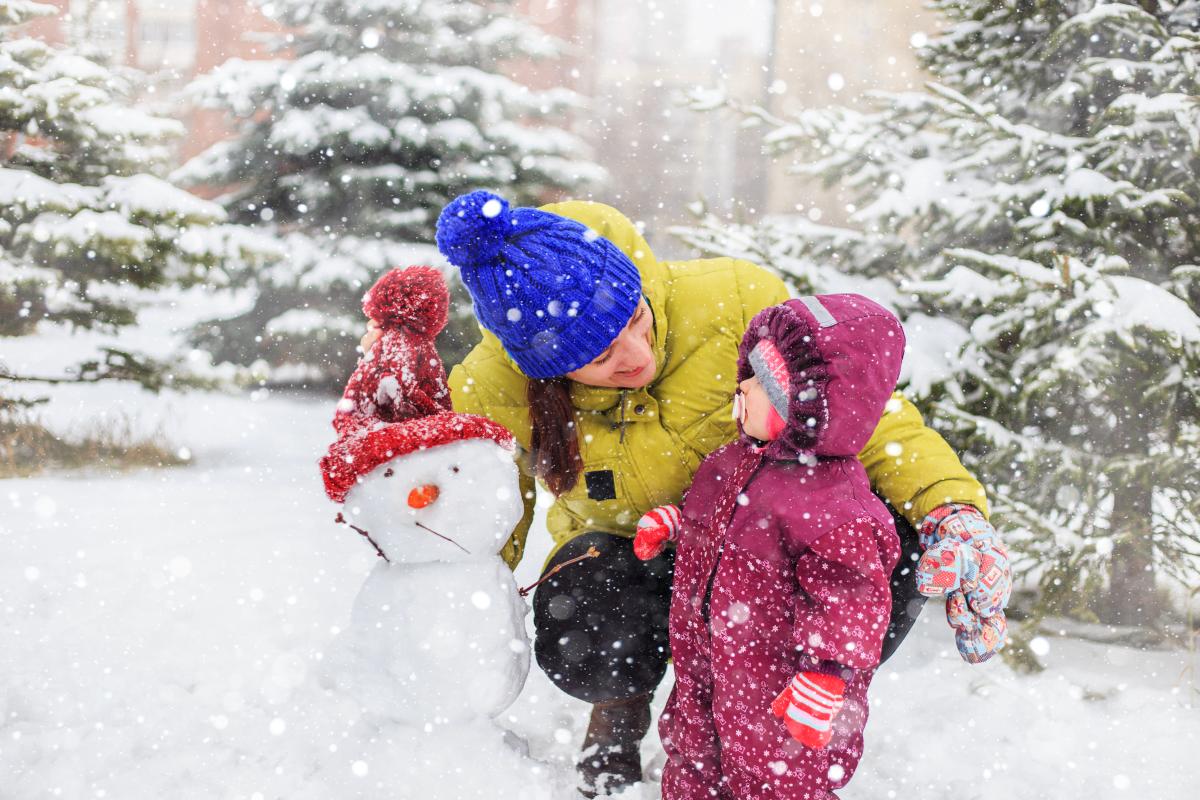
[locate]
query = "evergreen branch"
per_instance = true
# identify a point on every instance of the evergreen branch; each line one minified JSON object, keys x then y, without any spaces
{"x":1130,"y":18}
{"x":1024,"y":515}
{"x":10,"y":404}
{"x":116,"y":365}
{"x":1077,"y":460}
{"x":712,"y":100}
{"x":8,"y":376}
{"x":1020,"y":268}
{"x":22,"y":11}
{"x":997,"y":122}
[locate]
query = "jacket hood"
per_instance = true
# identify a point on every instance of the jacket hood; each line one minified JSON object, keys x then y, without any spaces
{"x":843,"y":355}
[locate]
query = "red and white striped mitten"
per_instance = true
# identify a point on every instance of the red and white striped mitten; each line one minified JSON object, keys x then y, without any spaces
{"x":656,"y":527}
{"x":808,"y":707}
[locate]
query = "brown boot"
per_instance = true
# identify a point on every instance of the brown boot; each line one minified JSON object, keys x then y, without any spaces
{"x":612,"y":758}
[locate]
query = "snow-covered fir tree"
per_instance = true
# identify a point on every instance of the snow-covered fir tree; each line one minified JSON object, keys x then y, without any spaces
{"x":1035,"y":216}
{"x":374,"y":116}
{"x":88,"y":234}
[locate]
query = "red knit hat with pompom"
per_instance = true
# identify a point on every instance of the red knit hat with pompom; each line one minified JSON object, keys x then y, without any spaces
{"x":414,"y":299}
{"x":397,"y":400}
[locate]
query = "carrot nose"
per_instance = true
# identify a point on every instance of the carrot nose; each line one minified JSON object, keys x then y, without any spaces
{"x":423,"y":496}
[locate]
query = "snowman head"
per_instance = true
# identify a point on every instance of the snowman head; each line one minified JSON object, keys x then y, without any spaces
{"x":442,"y":487}
{"x":452,"y":502}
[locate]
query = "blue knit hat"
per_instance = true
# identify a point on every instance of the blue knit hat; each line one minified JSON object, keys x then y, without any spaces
{"x":555,"y":293}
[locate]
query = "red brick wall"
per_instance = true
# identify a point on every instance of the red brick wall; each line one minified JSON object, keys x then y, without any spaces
{"x":225,"y":29}
{"x":50,"y":29}
{"x":570,"y":21}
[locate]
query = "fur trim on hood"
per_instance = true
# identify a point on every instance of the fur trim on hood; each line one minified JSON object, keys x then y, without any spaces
{"x":843,"y":354}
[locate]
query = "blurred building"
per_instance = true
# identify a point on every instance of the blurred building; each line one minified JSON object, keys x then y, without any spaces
{"x":574,"y":23}
{"x":784,"y":54}
{"x":153,"y":35}
{"x":50,"y":29}
{"x":662,"y":157}
{"x":631,"y":61}
{"x":171,"y":41}
{"x":832,"y":53}
{"x":224,"y":29}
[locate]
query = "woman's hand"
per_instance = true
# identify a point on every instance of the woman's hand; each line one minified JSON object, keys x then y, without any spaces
{"x":966,"y":562}
{"x":370,"y":337}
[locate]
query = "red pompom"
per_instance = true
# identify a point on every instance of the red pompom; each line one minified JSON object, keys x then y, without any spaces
{"x":415,"y":299}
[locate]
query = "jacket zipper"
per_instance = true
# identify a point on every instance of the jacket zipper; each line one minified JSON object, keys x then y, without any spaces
{"x":724,"y":531}
{"x":621,"y":424}
{"x":712,"y":577}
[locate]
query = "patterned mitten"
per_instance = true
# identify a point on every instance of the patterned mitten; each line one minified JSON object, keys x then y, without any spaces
{"x":656,"y":527}
{"x":808,"y":707}
{"x":966,"y":562}
{"x":977,"y":638}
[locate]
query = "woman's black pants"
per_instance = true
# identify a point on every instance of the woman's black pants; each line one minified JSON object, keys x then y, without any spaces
{"x":601,"y":624}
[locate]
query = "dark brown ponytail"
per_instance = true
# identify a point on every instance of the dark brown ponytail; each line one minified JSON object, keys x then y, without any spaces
{"x":555,"y":441}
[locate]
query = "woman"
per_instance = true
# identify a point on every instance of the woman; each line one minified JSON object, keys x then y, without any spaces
{"x":616,"y":372}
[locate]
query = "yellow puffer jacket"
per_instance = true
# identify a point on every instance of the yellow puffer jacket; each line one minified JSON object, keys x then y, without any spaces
{"x":641,"y":448}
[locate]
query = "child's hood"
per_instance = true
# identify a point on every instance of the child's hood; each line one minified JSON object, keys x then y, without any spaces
{"x":843,"y":354}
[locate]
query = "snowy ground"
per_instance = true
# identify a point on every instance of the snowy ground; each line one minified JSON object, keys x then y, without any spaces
{"x":161,"y":636}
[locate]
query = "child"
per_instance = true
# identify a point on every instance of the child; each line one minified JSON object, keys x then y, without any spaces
{"x":780,"y":597}
{"x":409,"y":308}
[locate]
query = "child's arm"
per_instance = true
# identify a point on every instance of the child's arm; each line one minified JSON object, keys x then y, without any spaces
{"x":845,"y":602}
{"x":353,"y":411}
{"x":841,"y":617}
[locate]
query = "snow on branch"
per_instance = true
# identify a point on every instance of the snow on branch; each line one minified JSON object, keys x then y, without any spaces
{"x":1001,"y":265}
{"x":1029,"y":135}
{"x":17,"y":12}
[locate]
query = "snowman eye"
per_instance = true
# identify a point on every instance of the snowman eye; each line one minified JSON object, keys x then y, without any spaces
{"x":389,"y":472}
{"x":454,"y":469}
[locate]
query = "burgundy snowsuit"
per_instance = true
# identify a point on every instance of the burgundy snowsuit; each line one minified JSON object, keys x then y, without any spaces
{"x":782,"y":566}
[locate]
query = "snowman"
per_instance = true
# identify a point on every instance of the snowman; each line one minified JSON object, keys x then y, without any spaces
{"x":437,"y":640}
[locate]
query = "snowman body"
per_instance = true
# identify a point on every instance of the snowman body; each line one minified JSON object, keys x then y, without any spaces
{"x":462,"y":655}
{"x":437,"y":631}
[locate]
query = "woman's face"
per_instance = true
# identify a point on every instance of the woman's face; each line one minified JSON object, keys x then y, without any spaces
{"x":628,"y":363}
